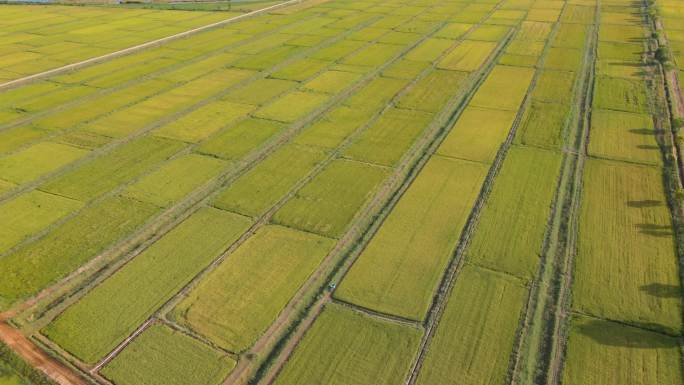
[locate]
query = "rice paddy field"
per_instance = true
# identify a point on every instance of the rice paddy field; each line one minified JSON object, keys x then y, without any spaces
{"x":39,"y":38}
{"x":341,"y":192}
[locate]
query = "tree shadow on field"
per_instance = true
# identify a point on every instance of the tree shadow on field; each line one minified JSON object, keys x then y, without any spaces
{"x":636,"y":40}
{"x":655,"y":230}
{"x":621,"y":335}
{"x":645,"y":203}
{"x":662,"y":290}
{"x":642,"y":131}
{"x":638,"y":68}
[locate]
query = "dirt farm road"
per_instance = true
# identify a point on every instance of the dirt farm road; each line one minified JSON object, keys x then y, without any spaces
{"x":37,"y":358}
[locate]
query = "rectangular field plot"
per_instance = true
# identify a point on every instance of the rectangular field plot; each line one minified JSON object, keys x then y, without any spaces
{"x":29,"y":213}
{"x":259,"y":91}
{"x":136,"y":71}
{"x":467,"y":56}
{"x":267,"y":59}
{"x":163,"y":356}
{"x":99,"y":105}
{"x":509,"y":236}
{"x":136,"y":117}
{"x":578,"y":13}
{"x":337,"y":50}
{"x":175,"y":179}
{"x":618,"y":51}
{"x":491,"y":33}
{"x":388,"y":138}
{"x":38,"y":264}
{"x":54,"y":99}
{"x":241,"y":139}
{"x":110,"y":312}
{"x":11,"y":97}
{"x":518,"y":60}
{"x":632,"y":71}
{"x":622,"y":33}
{"x":478,"y":134}
{"x":222,"y":307}
{"x":37,"y":160}
{"x":374,"y":55}
{"x":204,"y":121}
{"x":363,"y":351}
{"x":405,"y":69}
{"x":292,"y":107}
{"x":399,"y":38}
{"x":333,"y":127}
{"x":110,"y":170}
{"x":525,"y":47}
{"x":11,"y":139}
{"x":83,"y":139}
{"x":255,"y":192}
{"x":504,"y":88}
{"x":621,"y":95}
{"x":400,"y":269}
{"x":563,"y":59}
{"x":543,"y":124}
{"x":331,"y":82}
{"x":429,"y":50}
{"x":300,"y":70}
{"x":195,"y":70}
{"x":601,"y":352}
{"x":376,"y":94}
{"x":624,"y":217}
{"x":623,"y":135}
{"x":534,"y":31}
{"x":60,"y":35}
{"x":433,"y":91}
{"x":329,"y":201}
{"x":453,"y":30}
{"x":554,"y":87}
{"x":475,"y":336}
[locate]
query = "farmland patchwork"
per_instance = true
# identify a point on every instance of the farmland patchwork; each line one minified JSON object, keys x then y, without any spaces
{"x":345,"y":192}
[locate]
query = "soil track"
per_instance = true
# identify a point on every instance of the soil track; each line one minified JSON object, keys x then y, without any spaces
{"x":293,"y":342}
{"x":36,"y":357}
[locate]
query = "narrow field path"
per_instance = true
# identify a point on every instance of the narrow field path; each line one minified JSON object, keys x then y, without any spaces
{"x":536,"y":354}
{"x":292,"y":343}
{"x":36,"y":357}
{"x":136,"y":48}
{"x":457,"y":260}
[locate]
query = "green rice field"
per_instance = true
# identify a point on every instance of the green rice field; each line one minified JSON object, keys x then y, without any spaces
{"x":342,"y":192}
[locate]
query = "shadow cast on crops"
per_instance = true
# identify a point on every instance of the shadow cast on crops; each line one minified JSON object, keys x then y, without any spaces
{"x":655,"y":230}
{"x":645,"y":203}
{"x":642,"y":131}
{"x":662,"y":290}
{"x":614,"y":334}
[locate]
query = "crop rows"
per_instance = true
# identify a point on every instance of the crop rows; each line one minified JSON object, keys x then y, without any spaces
{"x":397,"y":275}
{"x":185,"y":142}
{"x":626,"y":298}
{"x":140,"y":121}
{"x":343,"y":192}
{"x":35,"y":39}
